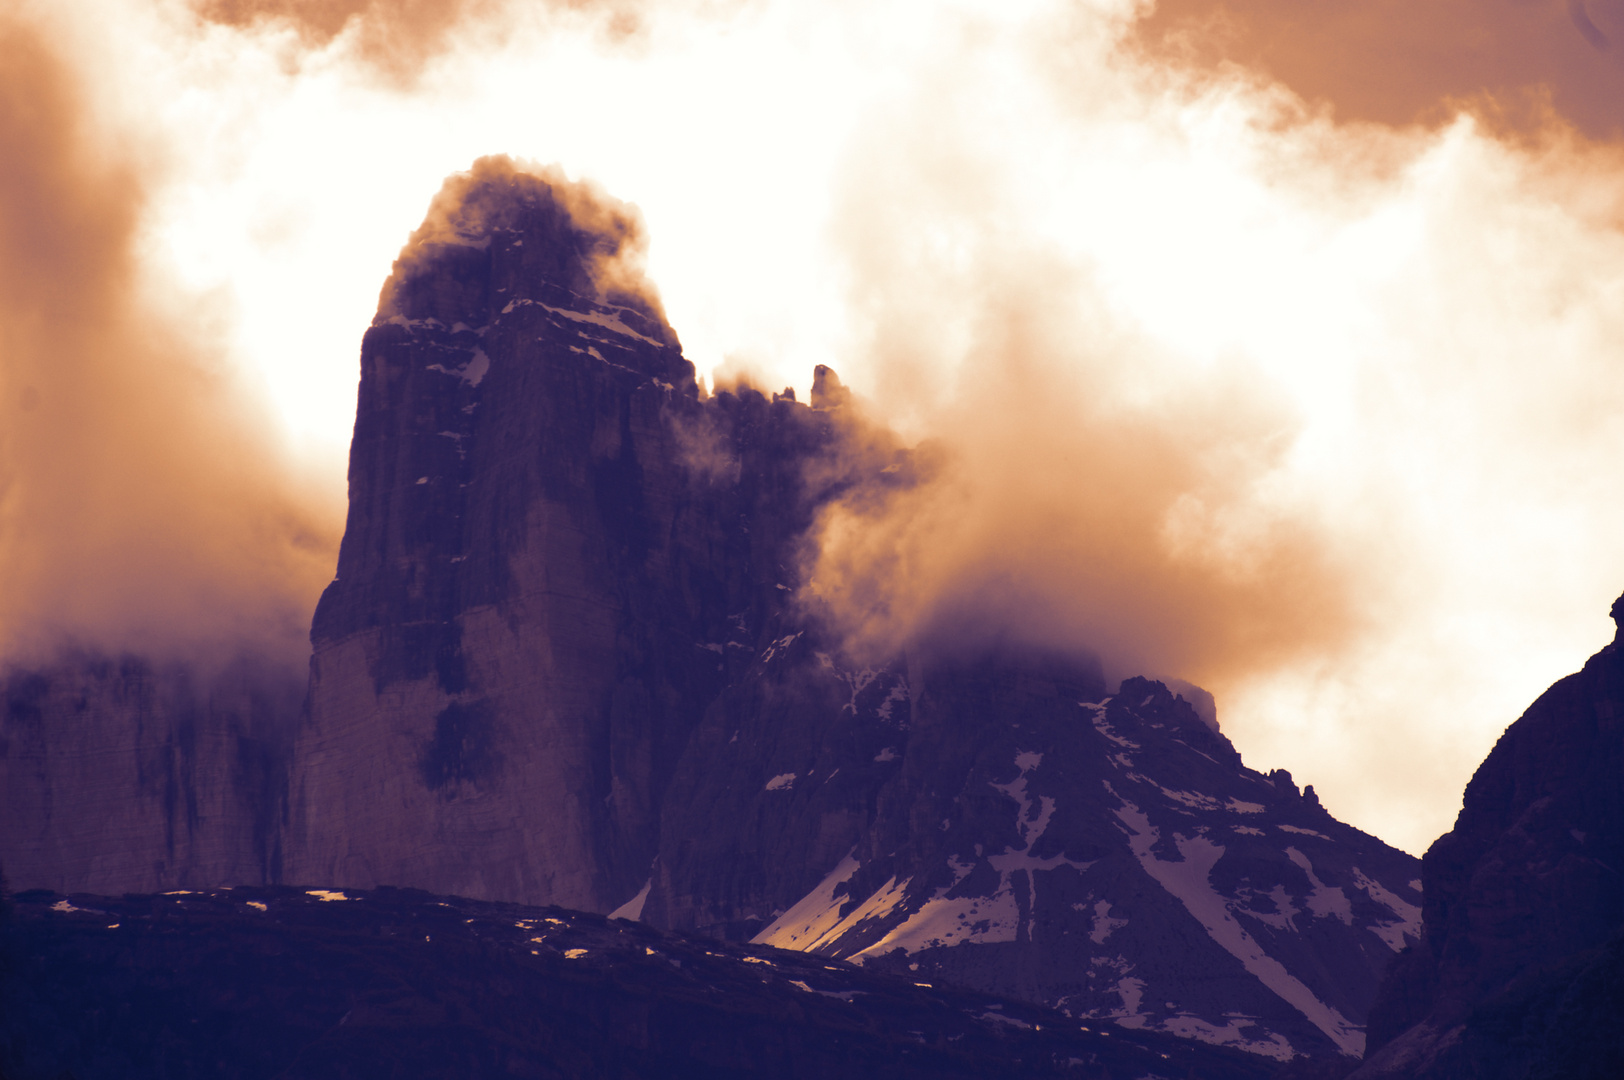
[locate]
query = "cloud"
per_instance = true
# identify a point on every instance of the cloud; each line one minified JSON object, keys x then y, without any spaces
{"x":1275,"y":373}
{"x":1398,"y":63}
{"x":1305,"y":411}
{"x":141,"y":503}
{"x":398,"y":38}
{"x":602,"y":243}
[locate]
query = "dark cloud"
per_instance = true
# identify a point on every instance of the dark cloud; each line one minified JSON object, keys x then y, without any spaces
{"x":1399,"y":62}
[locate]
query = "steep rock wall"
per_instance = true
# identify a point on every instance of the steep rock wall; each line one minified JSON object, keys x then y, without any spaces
{"x":556,"y":557}
{"x":119,"y":775}
{"x":1524,"y":918}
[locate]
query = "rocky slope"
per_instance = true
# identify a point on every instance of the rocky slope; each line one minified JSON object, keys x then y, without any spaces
{"x":1004,"y":823}
{"x":278,"y":982}
{"x":1520,"y":972}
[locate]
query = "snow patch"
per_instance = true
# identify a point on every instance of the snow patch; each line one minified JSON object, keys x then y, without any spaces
{"x":842,"y":995}
{"x":945,"y":920}
{"x":781,"y":643}
{"x":813,"y":916}
{"x":1188,"y":798}
{"x":1232,"y":1034}
{"x":781,"y":782}
{"x":1103,"y":924}
{"x":599,"y":318}
{"x":1189,"y":881}
{"x":632,"y":910}
{"x":1105,"y":729}
{"x":1326,"y":900}
{"x":1395,"y":935}
{"x":1302,"y":832}
{"x":326,"y":895}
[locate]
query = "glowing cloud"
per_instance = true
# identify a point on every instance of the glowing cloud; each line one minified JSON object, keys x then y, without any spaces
{"x":1306,"y":390}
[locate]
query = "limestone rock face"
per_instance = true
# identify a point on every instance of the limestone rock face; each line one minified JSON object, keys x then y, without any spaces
{"x":120,"y":775}
{"x":1518,"y":973}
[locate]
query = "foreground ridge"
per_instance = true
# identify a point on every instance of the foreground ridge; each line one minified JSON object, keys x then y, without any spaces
{"x":350,"y":985}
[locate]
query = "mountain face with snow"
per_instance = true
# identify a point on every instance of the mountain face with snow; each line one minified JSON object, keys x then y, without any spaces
{"x":563,"y":661}
{"x":1106,"y":854}
{"x":1520,"y":970}
{"x":567,"y":659}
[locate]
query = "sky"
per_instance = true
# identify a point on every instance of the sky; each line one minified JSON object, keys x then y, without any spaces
{"x":1274,"y":346}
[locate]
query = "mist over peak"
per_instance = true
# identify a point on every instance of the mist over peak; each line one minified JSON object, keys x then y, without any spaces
{"x":546,"y":231}
{"x":144,"y":504}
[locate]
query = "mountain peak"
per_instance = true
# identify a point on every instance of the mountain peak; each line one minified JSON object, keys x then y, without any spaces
{"x":508,"y":231}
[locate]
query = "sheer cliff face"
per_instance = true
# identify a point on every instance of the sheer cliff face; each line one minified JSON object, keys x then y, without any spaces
{"x":121,"y":775}
{"x":555,"y":558}
{"x":1518,"y":973}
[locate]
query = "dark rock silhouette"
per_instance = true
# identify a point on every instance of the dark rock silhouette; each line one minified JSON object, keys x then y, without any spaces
{"x":277,"y":982}
{"x":1520,"y":972}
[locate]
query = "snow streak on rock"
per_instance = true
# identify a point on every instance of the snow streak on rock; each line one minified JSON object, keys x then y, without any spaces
{"x":1188,"y":880}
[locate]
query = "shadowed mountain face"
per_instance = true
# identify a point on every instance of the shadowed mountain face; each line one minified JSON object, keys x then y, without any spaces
{"x":121,"y":774}
{"x":1520,"y":972}
{"x":565,"y":661}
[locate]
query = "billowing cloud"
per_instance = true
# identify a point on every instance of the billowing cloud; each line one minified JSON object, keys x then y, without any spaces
{"x":1231,"y":346}
{"x":1398,"y":63}
{"x":140,"y":506}
{"x":397,"y":38}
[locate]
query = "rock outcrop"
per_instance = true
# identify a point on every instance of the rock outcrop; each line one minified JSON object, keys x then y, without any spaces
{"x":556,"y":557}
{"x":1520,"y":972}
{"x":1004,"y":823}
